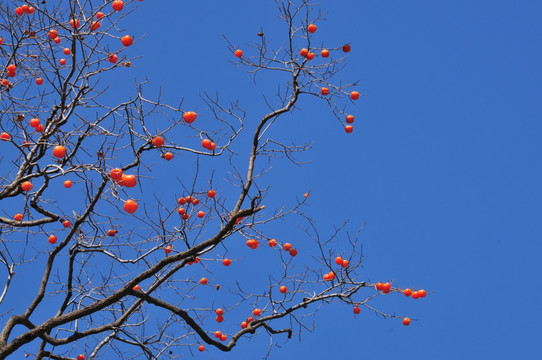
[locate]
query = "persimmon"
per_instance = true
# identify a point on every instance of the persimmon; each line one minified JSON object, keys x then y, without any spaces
{"x":112,"y":58}
{"x":188,"y":199}
{"x":181,"y":201}
{"x":345,"y":263}
{"x":81,"y":357}
{"x":112,"y":232}
{"x":18,"y":217}
{"x":185,"y":216}
{"x":350,"y":119}
{"x":324,"y":91}
{"x":136,"y":288}
{"x":59,"y":151}
{"x":158,"y":141}
{"x":326,"y":277}
{"x":201,"y":214}
{"x":415,"y":295}
{"x":67,"y":184}
{"x":99,"y":15}
{"x":95,"y":25}
{"x":195,"y":201}
{"x":310,"y":55}
{"x":67,"y":51}
{"x":293,"y":252}
{"x":212,"y":146}
{"x":257,"y":312}
{"x":303,"y":52}
{"x":5,"y":136}
{"x":129,"y":180}
{"x":30,"y":10}
{"x":66,"y":223}
{"x":354,"y":95}
{"x":189,"y":117}
{"x":27,"y":186}
{"x":250,"y":319}
{"x":19,"y":11}
{"x":75,"y":23}
{"x":56,"y":40}
{"x":52,"y":239}
{"x":168,"y":156}
{"x":219,"y":312}
{"x":226,"y":262}
{"x":126,"y":40}
{"x":168,"y":249}
{"x":223,"y":337}
{"x":219,"y":319}
{"x":203,"y":281}
{"x":201,"y":348}
{"x":62,"y":61}
{"x":206,"y":143}
{"x":357,"y":310}
{"x":347,"y":48}
{"x":24,"y":8}
{"x":386,"y":288}
{"x":12,"y":68}
{"x":53,"y":34}
{"x":238,"y":53}
{"x":116,"y":174}
{"x":287,"y":246}
{"x":253,"y":243}
{"x":407,"y":292}
{"x":406,"y":321}
{"x":311,"y":28}
{"x":211,"y":193}
{"x":39,"y":81}
{"x":348,"y":129}
{"x":272,"y":243}
{"x":283,"y":289}
{"x":5,"y":82}
{"x":130,"y":206}
{"x":39,"y":128}
{"x":379,"y":286}
{"x":117,"y":5}
{"x":324,"y":53}
{"x":244,"y":325}
{"x":218,"y":334}
{"x":1,"y":40}
{"x":422,"y":293}
{"x":339,"y":260}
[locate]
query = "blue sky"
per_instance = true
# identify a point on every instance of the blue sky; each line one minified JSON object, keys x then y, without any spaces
{"x":443,"y":166}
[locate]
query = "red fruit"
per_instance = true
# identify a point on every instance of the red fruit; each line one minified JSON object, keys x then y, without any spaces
{"x":348,"y":129}
{"x":126,"y":40}
{"x":379,"y":286}
{"x":53,"y":34}
{"x":168,"y":156}
{"x":1,"y":41}
{"x":212,"y":146}
{"x":203,"y":281}
{"x":244,"y":325}
{"x":201,"y":214}
{"x":304,"y":52}
{"x":219,"y":312}
{"x":324,"y":91}
{"x":18,"y":217}
{"x":201,"y":348}
{"x":345,"y":263}
{"x":158,"y":141}
{"x":26,"y":144}
{"x":12,"y":68}
{"x":67,"y":184}
{"x":223,"y":337}
{"x":56,"y":40}
{"x":219,"y":319}
{"x":67,"y":51}
{"x":19,"y":11}
{"x":283,"y":289}
{"x":136,"y":288}
{"x":188,"y":199}
{"x":238,"y":53}
{"x":4,"y":136}
{"x":116,"y":174}
{"x":386,"y":288}
{"x":310,"y":55}
{"x":31,"y":10}
{"x":272,"y":243}
{"x":218,"y":334}
{"x":293,"y":252}
{"x":52,"y":239}
{"x":62,"y":61}
{"x":185,"y":216}
{"x":112,"y":58}
{"x":339,"y":260}
{"x":117,"y":5}
{"x":324,"y":53}
{"x":311,"y":28}
{"x":39,"y":128}
{"x":27,"y":186}
{"x":128,"y":181}
{"x":226,"y":262}
{"x":406,"y":321}
{"x":5,"y":82}
{"x":257,"y":312}
{"x":189,"y":117}
{"x":181,"y":201}
{"x":422,"y":293}
{"x":415,"y":295}
{"x":112,"y":232}
{"x":99,"y":15}
{"x":253,"y":243}
{"x":75,"y":23}
{"x":168,"y":249}
{"x":66,"y":223}
{"x":181,"y":211}
{"x":250,"y":319}
{"x":130,"y":206}
{"x":211,"y":193}
{"x":195,"y":202}
{"x":39,"y":81}
{"x":59,"y":151}
{"x":357,"y":310}
{"x":81,"y":357}
{"x":347,"y":48}
{"x":350,"y":119}
{"x":287,"y":246}
{"x":206,"y":143}
{"x":95,"y":25}
{"x":196,"y":260}
{"x":354,"y":95}
{"x":407,"y":292}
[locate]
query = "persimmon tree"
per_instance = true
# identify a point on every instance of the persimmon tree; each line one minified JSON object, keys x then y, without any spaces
{"x":109,"y":267}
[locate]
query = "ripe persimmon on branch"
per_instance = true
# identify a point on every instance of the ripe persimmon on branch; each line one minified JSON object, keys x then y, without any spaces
{"x":101,"y":259}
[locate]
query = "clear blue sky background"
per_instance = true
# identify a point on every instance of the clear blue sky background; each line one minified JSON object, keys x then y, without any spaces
{"x":444,"y":164}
